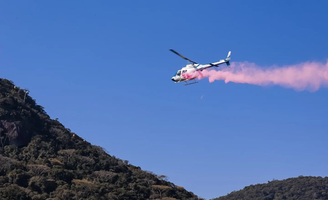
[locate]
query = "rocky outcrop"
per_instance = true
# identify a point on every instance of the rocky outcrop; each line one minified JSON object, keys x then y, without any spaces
{"x":14,"y":134}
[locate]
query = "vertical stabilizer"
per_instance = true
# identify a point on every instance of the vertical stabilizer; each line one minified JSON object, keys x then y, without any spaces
{"x":228,"y":58}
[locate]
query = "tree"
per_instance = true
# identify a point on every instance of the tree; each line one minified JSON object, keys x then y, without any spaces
{"x":3,"y":138}
{"x":38,"y":170}
{"x":159,"y":189}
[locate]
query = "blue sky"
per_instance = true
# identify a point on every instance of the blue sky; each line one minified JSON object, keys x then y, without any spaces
{"x":104,"y":69}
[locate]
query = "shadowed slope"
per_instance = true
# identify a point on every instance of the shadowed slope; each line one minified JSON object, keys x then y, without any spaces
{"x":41,"y":159}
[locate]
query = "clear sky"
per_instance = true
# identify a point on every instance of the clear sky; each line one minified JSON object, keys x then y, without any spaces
{"x":104,"y":69}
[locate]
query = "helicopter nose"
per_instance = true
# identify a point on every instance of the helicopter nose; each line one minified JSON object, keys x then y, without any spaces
{"x":172,"y":79}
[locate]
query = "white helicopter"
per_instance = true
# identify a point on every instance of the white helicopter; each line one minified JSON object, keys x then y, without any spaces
{"x":186,"y":73}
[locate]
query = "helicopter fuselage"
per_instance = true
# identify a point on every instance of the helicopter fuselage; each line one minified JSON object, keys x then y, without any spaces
{"x":185,"y":73}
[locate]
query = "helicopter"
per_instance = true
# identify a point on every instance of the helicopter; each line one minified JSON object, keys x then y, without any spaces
{"x":187,"y":73}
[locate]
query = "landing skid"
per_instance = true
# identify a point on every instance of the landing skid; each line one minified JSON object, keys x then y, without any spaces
{"x":190,"y":83}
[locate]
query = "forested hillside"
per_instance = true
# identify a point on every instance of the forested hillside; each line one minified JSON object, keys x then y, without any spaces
{"x":42,"y":159}
{"x":300,"y":188}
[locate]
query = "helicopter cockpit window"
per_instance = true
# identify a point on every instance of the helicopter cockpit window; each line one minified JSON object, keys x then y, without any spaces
{"x":179,"y":73}
{"x":184,"y":71}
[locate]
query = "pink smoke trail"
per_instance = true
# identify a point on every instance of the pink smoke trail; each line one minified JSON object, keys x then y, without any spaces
{"x":305,"y":76}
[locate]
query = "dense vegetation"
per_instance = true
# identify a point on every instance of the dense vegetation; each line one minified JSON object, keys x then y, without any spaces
{"x":300,"y":188}
{"x":41,"y":159}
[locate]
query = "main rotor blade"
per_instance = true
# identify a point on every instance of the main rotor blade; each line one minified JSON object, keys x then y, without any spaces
{"x":182,"y":56}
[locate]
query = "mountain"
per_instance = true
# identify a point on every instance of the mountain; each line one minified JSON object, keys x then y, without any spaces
{"x":300,"y":188}
{"x":42,"y":159}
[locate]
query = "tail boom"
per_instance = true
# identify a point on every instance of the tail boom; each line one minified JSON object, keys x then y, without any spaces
{"x":216,"y":64}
